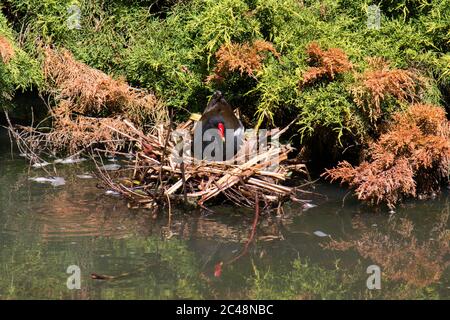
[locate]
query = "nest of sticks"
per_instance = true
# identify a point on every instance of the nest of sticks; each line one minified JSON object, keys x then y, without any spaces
{"x":160,"y":173}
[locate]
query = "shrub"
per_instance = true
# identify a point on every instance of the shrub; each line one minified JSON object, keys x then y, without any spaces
{"x":327,"y":63}
{"x":245,"y":58}
{"x":91,"y":92}
{"x":71,"y":133}
{"x":6,"y":50}
{"x":411,"y":157}
{"x":170,"y":49}
{"x":19,"y":71}
{"x":380,"y":82}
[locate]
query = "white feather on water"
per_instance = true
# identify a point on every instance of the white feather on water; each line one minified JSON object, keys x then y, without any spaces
{"x":40,"y":164}
{"x":321,"y":234}
{"x":111,"y":167}
{"x":54,"y":181}
{"x":84,"y":176}
{"x":112,"y":193}
{"x":307,"y":206}
{"x":69,"y":160}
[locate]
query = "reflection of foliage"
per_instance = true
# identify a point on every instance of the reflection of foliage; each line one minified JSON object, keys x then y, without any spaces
{"x":402,"y":256}
{"x":303,"y":281}
{"x":167,"y":270}
{"x":27,"y":274}
{"x":179,"y":268}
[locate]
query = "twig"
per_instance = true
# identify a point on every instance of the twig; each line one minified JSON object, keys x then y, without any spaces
{"x":183,"y":177}
{"x":163,"y":156}
{"x":252,"y":233}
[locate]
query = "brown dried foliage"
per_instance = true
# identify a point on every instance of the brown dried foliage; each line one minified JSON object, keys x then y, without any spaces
{"x":91,"y":107}
{"x":325,"y":63}
{"x":412,"y":157}
{"x":74,"y":133}
{"x":6,"y":49}
{"x":245,"y":58}
{"x":380,"y":82}
{"x":91,"y":92}
{"x":400,"y":254}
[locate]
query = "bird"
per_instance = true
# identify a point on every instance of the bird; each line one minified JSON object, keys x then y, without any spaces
{"x":219,"y":134}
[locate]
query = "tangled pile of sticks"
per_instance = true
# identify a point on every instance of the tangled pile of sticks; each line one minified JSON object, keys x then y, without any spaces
{"x":161,"y":171}
{"x":92,"y":110}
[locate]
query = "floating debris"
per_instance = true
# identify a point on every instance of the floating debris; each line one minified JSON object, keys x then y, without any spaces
{"x":270,"y":238}
{"x":40,"y":164}
{"x":97,"y":276}
{"x":69,"y":160}
{"x":54,"y":181}
{"x":84,"y":176}
{"x":111,"y":167}
{"x":321,"y":234}
{"x":112,"y":193}
{"x":306,"y":206}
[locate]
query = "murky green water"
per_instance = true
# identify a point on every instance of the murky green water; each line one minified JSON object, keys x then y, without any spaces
{"x":46,"y":229}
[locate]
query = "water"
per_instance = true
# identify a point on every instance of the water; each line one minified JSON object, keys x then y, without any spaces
{"x":46,"y":228}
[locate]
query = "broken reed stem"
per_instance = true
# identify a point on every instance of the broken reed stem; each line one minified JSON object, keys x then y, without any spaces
{"x":183,"y":179}
{"x":166,"y":141}
{"x":252,"y":232}
{"x":170,"y":211}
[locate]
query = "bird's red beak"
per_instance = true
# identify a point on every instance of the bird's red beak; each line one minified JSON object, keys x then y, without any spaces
{"x":221,"y":129}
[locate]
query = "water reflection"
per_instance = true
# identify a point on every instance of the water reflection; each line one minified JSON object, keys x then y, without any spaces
{"x":44,"y":229}
{"x":417,"y":261}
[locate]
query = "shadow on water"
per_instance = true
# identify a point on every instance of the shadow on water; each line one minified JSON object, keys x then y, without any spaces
{"x":320,"y":253}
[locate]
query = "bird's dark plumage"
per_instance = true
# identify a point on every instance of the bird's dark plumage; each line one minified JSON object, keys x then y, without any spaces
{"x":218,"y":135}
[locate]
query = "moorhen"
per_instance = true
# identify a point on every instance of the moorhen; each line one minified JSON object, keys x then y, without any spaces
{"x":219,"y":134}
